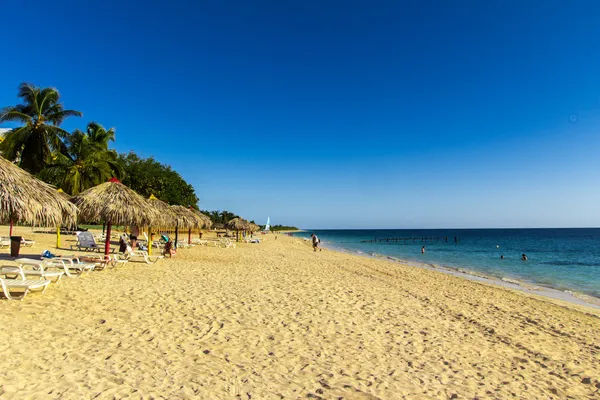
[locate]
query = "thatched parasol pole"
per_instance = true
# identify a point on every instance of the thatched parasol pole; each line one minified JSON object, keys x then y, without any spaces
{"x":10,"y":230}
{"x":176,"y":234}
{"x":107,"y":240}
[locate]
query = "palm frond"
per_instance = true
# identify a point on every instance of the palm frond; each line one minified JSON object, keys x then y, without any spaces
{"x":13,"y":114}
{"x":58,"y":117}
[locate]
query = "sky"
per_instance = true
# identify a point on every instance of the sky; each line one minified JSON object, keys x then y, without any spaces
{"x":337,"y":114}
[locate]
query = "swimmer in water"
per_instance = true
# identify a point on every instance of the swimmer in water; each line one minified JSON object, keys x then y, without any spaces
{"x":423,"y":250}
{"x":524,"y":257}
{"x":502,"y":257}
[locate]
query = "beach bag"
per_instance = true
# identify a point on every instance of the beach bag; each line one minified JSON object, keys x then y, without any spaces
{"x":47,"y":254}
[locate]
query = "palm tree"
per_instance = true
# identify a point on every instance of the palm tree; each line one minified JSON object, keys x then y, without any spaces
{"x":97,"y":134}
{"x":87,"y":162}
{"x":40,"y":136}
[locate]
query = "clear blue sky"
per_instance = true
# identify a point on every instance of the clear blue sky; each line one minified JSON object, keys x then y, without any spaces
{"x":338,"y":114}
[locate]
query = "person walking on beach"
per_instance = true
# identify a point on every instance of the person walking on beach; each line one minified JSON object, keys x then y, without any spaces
{"x":315,"y":242}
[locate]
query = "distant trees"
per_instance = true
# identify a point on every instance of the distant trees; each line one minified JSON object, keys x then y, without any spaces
{"x":220,"y":217}
{"x":280,"y":228}
{"x":147,"y":176}
{"x":41,"y":114}
{"x":79,"y":160}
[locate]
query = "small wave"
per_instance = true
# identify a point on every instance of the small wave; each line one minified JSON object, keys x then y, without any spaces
{"x":472,"y":273}
{"x":513,"y":281}
{"x":584,"y":297}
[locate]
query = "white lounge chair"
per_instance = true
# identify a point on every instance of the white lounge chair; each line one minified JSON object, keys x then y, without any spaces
{"x":139,"y":253}
{"x":86,"y":242}
{"x":226,"y":243}
{"x":30,"y":267}
{"x":71,"y":263}
{"x":27,"y":242}
{"x":22,"y":285}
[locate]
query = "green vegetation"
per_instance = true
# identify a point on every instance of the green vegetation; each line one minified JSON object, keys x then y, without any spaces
{"x":80,"y":160}
{"x":41,"y":114}
{"x":148,"y":176}
{"x":219,"y":218}
{"x":276,"y":228}
{"x":87,"y":161}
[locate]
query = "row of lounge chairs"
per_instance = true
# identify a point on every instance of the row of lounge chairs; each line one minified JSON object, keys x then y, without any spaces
{"x":5,"y":242}
{"x":29,"y":274}
{"x":220,"y":242}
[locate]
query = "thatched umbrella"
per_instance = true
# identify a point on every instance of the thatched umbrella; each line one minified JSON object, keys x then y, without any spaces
{"x":238,"y":224}
{"x":204,"y":222}
{"x":115,"y":203}
{"x":205,"y":218}
{"x":186,"y":218}
{"x":26,"y":199}
{"x":168,"y":217}
{"x":254,"y":228}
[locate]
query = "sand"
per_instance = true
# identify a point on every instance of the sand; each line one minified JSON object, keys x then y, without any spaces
{"x":276,"y":320}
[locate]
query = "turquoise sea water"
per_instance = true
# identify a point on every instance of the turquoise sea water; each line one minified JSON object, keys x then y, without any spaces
{"x":565,"y":259}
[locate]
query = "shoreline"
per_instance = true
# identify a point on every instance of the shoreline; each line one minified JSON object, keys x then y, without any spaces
{"x":532,"y":288}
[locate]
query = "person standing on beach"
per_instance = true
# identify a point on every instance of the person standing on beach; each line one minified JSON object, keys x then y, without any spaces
{"x":315,"y":242}
{"x":135,"y":232}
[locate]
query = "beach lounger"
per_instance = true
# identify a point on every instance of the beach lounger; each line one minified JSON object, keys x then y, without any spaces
{"x":117,"y":261}
{"x":72,"y":263}
{"x":139,"y":253}
{"x":86,"y":242}
{"x":31,"y":267}
{"x":22,"y":285}
{"x":27,"y":242}
{"x":226,"y":243}
{"x":100,"y":261}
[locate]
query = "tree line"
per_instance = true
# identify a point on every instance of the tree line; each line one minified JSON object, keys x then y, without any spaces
{"x":78,"y":160}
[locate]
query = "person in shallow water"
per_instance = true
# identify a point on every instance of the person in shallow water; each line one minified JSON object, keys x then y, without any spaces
{"x":502,"y":257}
{"x":423,"y":250}
{"x":524,"y":257}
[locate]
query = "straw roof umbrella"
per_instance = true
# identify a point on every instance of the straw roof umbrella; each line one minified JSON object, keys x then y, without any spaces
{"x":186,"y":218}
{"x":254,"y":228}
{"x":238,"y":224}
{"x":168,"y":217}
{"x":115,"y":203}
{"x":26,"y":199}
{"x":207,"y":222}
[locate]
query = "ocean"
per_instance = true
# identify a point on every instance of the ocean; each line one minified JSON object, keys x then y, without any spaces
{"x":567,"y":259}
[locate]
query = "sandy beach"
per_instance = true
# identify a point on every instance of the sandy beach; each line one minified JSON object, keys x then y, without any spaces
{"x":276,"y":320}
